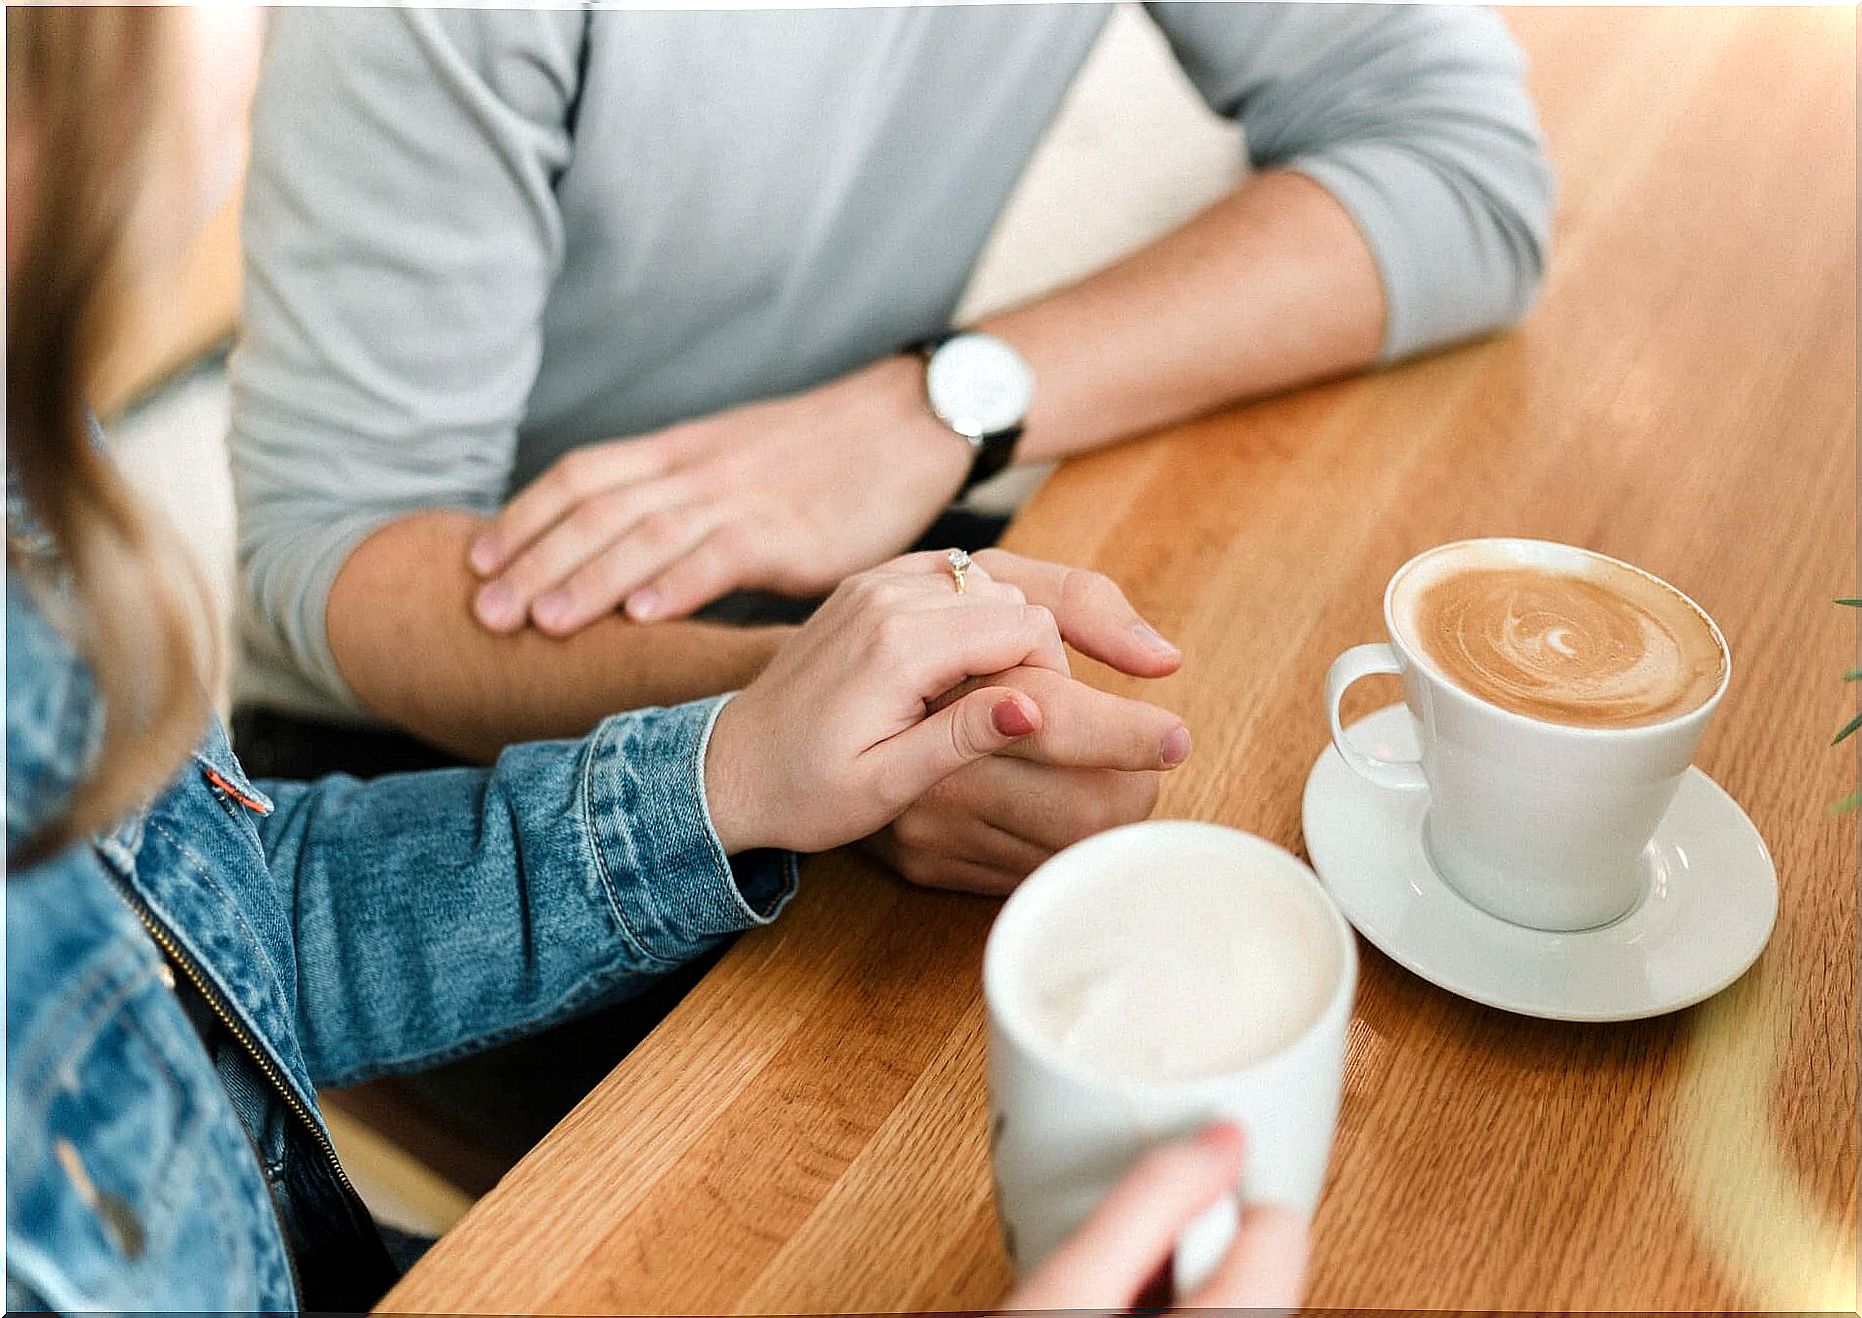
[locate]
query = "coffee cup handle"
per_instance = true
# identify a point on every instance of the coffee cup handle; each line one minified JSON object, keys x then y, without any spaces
{"x":1363,"y":661}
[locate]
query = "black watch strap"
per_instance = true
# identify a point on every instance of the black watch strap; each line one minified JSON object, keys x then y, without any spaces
{"x":994,"y":451}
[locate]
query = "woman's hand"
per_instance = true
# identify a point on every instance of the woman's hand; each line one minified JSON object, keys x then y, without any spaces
{"x":1126,"y":1243}
{"x":836,"y":737}
{"x":1094,"y":765}
{"x":788,"y":495}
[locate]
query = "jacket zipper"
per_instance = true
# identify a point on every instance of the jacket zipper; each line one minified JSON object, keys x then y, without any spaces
{"x":211,"y":996}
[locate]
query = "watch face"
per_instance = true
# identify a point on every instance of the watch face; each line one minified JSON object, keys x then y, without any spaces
{"x":979,"y":385}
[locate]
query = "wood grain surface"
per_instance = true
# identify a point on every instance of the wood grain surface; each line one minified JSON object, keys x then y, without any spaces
{"x":805,"y":1133}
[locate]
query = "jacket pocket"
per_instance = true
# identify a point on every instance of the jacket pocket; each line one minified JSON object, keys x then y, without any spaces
{"x":130,"y":1183}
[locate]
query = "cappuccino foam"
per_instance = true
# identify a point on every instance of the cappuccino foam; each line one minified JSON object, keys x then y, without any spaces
{"x":1579,"y":640}
{"x":1179,"y":972}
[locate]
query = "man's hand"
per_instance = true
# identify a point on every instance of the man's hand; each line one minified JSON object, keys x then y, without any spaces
{"x":1094,"y":764}
{"x":791,"y":496}
{"x":986,"y":827}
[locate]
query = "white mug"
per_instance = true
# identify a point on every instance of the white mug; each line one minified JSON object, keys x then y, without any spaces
{"x":1542,"y":824}
{"x":1061,"y":1135}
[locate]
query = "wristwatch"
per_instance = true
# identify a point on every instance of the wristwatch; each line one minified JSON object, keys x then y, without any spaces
{"x":981,"y":388}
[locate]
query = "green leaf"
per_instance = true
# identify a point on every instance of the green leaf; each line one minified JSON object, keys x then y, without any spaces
{"x":1848,"y":803}
{"x":1851,"y":602}
{"x":1854,"y":674}
{"x":1848,"y":728}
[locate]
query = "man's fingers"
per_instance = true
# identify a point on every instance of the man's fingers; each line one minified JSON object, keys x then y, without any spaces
{"x":572,"y":479}
{"x":725,"y":560}
{"x":585,"y":530}
{"x":982,"y":723}
{"x":1135,"y":1229}
{"x":956,"y":874}
{"x":1048,"y":807}
{"x":1264,"y":1268}
{"x":1084,"y":727}
{"x":599,"y":585}
{"x":1095,"y":617}
{"x":978,"y":815}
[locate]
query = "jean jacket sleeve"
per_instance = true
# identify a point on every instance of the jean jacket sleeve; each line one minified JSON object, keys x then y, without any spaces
{"x":437,"y":913}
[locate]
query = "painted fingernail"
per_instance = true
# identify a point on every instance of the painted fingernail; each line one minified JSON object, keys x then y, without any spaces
{"x":1010,"y":718}
{"x":642,"y":605}
{"x":1175,"y":748}
{"x":483,"y":556}
{"x":496,"y":605}
{"x":552,"y":609}
{"x":1149,"y":638}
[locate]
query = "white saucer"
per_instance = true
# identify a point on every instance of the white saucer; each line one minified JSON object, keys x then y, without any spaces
{"x":1711,"y":900}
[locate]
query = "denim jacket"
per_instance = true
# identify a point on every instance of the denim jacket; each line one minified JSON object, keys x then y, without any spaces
{"x":177,"y":989}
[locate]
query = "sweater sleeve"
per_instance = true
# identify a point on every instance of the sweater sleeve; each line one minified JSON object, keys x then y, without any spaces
{"x":1416,"y":118}
{"x":400,"y":234}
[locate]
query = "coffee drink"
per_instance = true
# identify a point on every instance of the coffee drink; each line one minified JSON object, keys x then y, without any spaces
{"x":1557,"y":697}
{"x":1146,"y":982}
{"x":1586,"y":641}
{"x":1177,"y":971}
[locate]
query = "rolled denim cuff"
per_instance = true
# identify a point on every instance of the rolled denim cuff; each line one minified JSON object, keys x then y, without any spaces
{"x":674,"y":890}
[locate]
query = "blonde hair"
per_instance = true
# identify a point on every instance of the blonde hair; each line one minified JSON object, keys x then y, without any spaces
{"x":91,"y":86}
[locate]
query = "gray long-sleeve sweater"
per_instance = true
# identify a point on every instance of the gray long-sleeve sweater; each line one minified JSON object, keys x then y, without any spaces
{"x":476,"y":239}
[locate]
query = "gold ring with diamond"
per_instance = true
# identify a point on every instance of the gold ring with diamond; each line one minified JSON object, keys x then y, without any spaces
{"x":959,"y":567}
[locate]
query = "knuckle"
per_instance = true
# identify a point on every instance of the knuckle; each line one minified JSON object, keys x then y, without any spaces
{"x":1085,"y":589}
{"x":1039,"y":617}
{"x":922,"y":871}
{"x":892,"y":632}
{"x":886,"y":590}
{"x":574,"y":472}
{"x":914,"y":831}
{"x":663,"y":528}
{"x":588,"y":519}
{"x":863,"y":589}
{"x":963,"y":735}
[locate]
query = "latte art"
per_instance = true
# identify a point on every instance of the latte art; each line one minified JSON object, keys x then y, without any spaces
{"x":1607,"y":647}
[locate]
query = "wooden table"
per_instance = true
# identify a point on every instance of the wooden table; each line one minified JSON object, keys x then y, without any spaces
{"x":805,"y":1133}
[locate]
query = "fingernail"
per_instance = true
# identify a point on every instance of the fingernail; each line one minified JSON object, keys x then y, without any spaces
{"x":1175,"y":748}
{"x":1149,"y":638}
{"x":1010,"y":718}
{"x":496,"y":605}
{"x":642,"y":605}
{"x":551,"y":609}
{"x":483,"y":556}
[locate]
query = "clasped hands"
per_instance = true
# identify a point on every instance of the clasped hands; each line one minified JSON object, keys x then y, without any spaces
{"x":795,"y":495}
{"x":946,"y":729}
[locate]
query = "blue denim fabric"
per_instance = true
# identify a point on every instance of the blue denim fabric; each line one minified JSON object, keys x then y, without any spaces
{"x":345,"y":930}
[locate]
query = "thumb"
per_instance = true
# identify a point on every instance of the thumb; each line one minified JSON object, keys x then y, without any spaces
{"x":982,"y":723}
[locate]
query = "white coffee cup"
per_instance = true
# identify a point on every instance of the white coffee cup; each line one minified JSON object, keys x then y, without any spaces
{"x":1063,"y":1133}
{"x":1541,"y":823}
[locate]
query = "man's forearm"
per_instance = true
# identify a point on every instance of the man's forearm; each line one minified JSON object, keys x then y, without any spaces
{"x":1270,"y":287}
{"x":402,"y":632}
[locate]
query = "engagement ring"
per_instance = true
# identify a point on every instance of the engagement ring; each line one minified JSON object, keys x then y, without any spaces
{"x":959,"y":567}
